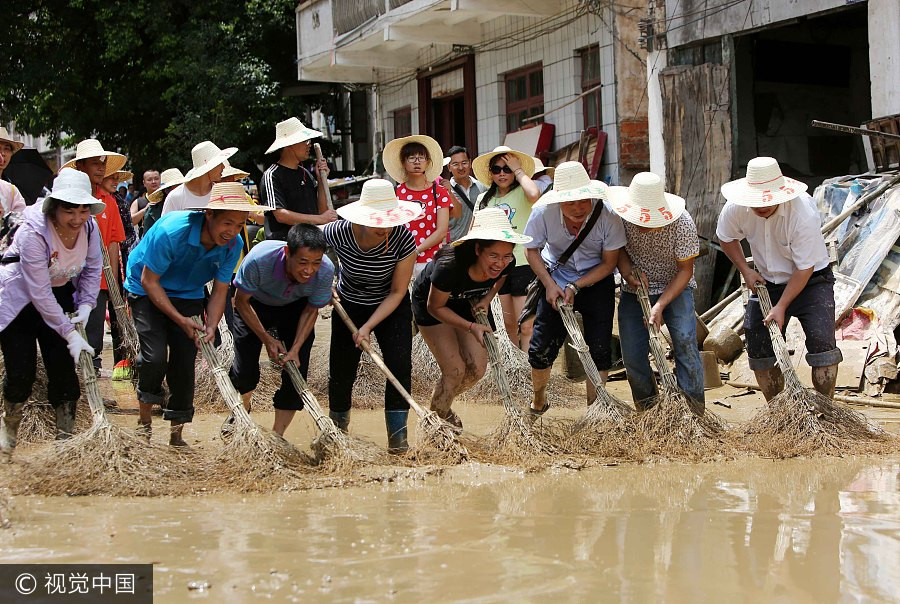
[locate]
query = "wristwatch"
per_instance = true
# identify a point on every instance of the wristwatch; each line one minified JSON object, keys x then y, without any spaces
{"x":574,"y":287}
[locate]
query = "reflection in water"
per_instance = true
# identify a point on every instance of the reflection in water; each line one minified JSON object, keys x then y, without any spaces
{"x":788,"y":530}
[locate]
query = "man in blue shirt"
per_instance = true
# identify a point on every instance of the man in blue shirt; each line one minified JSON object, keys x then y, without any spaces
{"x":585,"y":280}
{"x":280,"y":285}
{"x":167,"y":273}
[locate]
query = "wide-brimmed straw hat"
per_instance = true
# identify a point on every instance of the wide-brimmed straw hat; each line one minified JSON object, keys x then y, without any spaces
{"x":493,"y":224}
{"x":121,"y":175}
{"x":290,"y":132}
{"x":571,"y":183}
{"x":168,"y":179}
{"x":6,"y":138}
{"x":231,"y":196}
{"x":763,"y":186}
{"x":206,"y":156}
{"x":91,"y":147}
{"x":74,"y":186}
{"x":232,"y":171}
{"x":481,"y":165}
{"x":379,"y":207}
{"x":540,"y":167}
{"x":645,"y":203}
{"x":394,"y":165}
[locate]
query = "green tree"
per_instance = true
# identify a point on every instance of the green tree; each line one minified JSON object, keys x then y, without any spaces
{"x":152,"y":77}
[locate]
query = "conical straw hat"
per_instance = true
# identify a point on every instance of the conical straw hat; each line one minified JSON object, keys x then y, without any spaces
{"x":91,"y":147}
{"x":763,"y":186}
{"x":168,"y":179}
{"x":231,"y":196}
{"x":290,"y":132}
{"x":645,"y":203}
{"x":232,"y":171}
{"x":379,"y":207}
{"x":6,"y":138}
{"x":540,"y":167}
{"x":481,"y":165}
{"x":121,"y":175}
{"x":206,"y":156}
{"x":494,"y":225}
{"x":571,"y":183}
{"x":394,"y":165}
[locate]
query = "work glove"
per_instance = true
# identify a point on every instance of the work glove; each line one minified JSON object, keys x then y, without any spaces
{"x":84,"y":311}
{"x":77,"y":345}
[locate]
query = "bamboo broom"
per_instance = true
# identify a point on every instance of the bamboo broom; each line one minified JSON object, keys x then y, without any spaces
{"x":333,"y":446}
{"x":253,"y":457}
{"x":435,"y":432}
{"x":674,"y":425}
{"x":130,"y":344}
{"x":514,"y":435}
{"x":802,"y":421}
{"x":106,"y":459}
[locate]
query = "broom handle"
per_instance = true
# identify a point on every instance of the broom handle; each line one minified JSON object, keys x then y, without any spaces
{"x":89,"y":375}
{"x":323,"y":176}
{"x":490,"y":344}
{"x":656,"y":346}
{"x":323,"y":422}
{"x":376,"y":358}
{"x":226,"y":388}
{"x":567,"y":312}
{"x":782,"y":356}
{"x":129,"y":333}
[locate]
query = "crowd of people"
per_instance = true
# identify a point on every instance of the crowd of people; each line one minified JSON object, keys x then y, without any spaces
{"x":424,"y":254}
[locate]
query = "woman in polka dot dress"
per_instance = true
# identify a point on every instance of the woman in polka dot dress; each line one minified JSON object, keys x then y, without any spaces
{"x":414,"y":162}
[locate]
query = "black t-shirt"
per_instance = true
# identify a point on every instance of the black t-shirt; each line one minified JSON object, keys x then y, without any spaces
{"x":284,"y":188}
{"x":448,"y":276}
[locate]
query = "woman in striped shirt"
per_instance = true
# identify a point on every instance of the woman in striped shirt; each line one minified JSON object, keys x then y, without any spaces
{"x":376,"y":253}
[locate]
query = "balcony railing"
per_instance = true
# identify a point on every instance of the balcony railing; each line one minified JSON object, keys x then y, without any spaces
{"x":350,"y":14}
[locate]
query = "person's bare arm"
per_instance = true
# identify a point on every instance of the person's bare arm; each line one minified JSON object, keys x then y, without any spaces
{"x":156,"y":293}
{"x":215,"y":308}
{"x":440,"y":233}
{"x":137,"y":215}
{"x":291,"y":218}
{"x":399,"y":290}
{"x":274,"y":348}
{"x":553,"y":291}
{"x":684,"y":271}
{"x":793,"y":288}
{"x":305,"y":326}
{"x":437,"y":308}
{"x":603,"y":270}
{"x":735,"y":253}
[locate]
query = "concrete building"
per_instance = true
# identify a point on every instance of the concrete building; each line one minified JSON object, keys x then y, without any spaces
{"x":469,"y":71}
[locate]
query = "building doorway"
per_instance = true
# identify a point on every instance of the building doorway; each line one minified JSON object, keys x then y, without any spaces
{"x":446,"y":96}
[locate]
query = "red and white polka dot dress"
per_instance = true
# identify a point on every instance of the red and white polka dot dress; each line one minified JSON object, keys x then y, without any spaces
{"x":423,"y":227}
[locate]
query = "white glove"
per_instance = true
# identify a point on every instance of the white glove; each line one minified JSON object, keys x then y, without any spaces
{"x":84,"y":311}
{"x":77,"y":345}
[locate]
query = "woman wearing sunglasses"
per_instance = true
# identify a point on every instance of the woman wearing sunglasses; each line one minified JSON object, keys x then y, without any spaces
{"x":513,"y":191}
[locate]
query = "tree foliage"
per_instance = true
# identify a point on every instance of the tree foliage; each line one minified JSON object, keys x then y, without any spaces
{"x":151,"y":77}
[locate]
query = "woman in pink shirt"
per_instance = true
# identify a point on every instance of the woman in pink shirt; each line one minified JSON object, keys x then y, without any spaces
{"x":52,"y":268}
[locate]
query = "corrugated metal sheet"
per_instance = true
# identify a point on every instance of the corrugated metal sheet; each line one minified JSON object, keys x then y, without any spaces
{"x":350,"y":14}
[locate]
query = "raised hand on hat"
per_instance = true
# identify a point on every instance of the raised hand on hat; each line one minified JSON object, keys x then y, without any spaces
{"x":512,"y":161}
{"x":84,"y":312}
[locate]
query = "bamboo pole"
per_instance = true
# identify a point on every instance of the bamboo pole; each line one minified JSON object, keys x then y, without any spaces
{"x":323,"y":176}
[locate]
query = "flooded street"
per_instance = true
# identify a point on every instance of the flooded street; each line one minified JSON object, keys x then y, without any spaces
{"x":798,"y":530}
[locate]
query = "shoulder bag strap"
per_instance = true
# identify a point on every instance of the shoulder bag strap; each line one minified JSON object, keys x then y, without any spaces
{"x":462,"y":195}
{"x":591,"y":221}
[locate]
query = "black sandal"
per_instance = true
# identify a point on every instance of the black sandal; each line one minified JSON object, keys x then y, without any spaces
{"x":534,"y":412}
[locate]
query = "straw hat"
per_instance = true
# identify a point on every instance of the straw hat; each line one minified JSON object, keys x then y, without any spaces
{"x":169,"y":178}
{"x":571,"y":183}
{"x":121,"y":175}
{"x":91,"y":147}
{"x":764,"y":185}
{"x":74,"y":186}
{"x":645,"y":203}
{"x":379,"y":207}
{"x":206,"y":156}
{"x":540,"y":167}
{"x":6,"y":138}
{"x":231,"y":196}
{"x":290,"y":132}
{"x":232,"y":171}
{"x":481,"y":166}
{"x":446,"y":162}
{"x":394,"y":165}
{"x":493,"y":224}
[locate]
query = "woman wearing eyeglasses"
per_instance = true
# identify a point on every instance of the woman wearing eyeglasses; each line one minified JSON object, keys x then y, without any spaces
{"x":513,"y":191}
{"x":415,"y":163}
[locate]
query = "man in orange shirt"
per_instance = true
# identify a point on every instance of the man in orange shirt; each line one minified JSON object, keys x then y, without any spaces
{"x":93,"y":160}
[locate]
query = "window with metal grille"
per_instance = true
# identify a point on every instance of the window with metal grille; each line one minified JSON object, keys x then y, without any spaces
{"x":524,"y":96}
{"x":590,"y":78}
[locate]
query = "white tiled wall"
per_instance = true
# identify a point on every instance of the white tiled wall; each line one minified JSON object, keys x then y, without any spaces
{"x":562,"y":80}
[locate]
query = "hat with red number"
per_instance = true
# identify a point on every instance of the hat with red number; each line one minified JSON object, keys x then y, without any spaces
{"x":764,"y":185}
{"x":645,"y":203}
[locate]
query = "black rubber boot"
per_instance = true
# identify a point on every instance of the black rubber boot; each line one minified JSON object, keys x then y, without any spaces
{"x":65,"y":420}
{"x":396,"y":431}
{"x":9,"y":428}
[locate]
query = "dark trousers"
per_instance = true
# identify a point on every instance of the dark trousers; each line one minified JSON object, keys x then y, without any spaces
{"x":19,"y":342}
{"x":244,"y":372}
{"x":166,"y":353}
{"x":596,"y":305}
{"x":95,"y":325}
{"x":395,"y":339}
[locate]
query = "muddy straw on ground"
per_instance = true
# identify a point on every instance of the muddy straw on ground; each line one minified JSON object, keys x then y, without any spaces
{"x":436,"y":435}
{"x":104,"y":459}
{"x":607,"y":427}
{"x":207,"y":395}
{"x":38,"y":418}
{"x":802,"y":421}
{"x":334,"y":449}
{"x":253,"y":458}
{"x":515,"y":437}
{"x":129,"y":345}
{"x":674,"y":426}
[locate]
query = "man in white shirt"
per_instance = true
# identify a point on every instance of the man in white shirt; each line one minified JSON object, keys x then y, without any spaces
{"x":466,"y":187}
{"x":209,"y":162}
{"x":782,"y":226}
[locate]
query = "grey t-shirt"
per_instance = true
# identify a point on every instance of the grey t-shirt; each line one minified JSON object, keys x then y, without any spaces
{"x":460,"y":226}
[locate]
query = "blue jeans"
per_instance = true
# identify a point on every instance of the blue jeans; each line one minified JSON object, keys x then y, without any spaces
{"x":635,"y":343}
